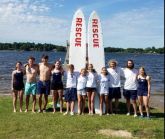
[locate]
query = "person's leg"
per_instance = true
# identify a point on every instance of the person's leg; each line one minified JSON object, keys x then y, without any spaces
{"x":60,"y":94}
{"x":34,"y":103}
{"x":67,"y":106}
{"x":45,"y":101}
{"x":72,"y":106}
{"x":134,"y":107}
{"x":140,"y":99}
{"x":27,"y":103}
{"x":40,"y":102}
{"x":54,"y":98}
{"x":101,"y":104}
{"x":83,"y":103}
{"x":14,"y":100}
{"x":128,"y":103}
{"x":89,"y":101}
{"x":134,"y":97}
{"x":106,"y":103}
{"x":21,"y":99}
{"x":92,"y":102}
{"x":145,"y":100}
{"x":110,"y":106}
{"x":116,"y":104}
{"x":79,"y":103}
{"x":127,"y":96}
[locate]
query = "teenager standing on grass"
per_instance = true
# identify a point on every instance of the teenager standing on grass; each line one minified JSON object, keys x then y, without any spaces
{"x":17,"y":85}
{"x":81,"y":91}
{"x":130,"y":86}
{"x":71,"y":91}
{"x":91,"y":85}
{"x":31,"y":82}
{"x":143,"y":91}
{"x":43,"y":85}
{"x":114,"y":84}
{"x":104,"y":80}
{"x":57,"y":85}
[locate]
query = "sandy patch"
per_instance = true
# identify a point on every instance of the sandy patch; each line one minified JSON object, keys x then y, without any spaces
{"x":116,"y":133}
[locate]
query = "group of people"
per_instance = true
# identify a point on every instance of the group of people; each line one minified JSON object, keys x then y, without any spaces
{"x":79,"y":85}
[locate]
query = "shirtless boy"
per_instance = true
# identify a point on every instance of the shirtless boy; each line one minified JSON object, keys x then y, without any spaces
{"x":44,"y":82}
{"x":31,"y":82}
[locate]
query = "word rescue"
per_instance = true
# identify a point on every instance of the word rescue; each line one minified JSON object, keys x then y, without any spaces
{"x":78,"y":32}
{"x":95,"y":31}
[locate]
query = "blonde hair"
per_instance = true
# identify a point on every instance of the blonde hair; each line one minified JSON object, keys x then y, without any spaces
{"x":112,"y":61}
{"x":142,"y":68}
{"x":84,"y":70}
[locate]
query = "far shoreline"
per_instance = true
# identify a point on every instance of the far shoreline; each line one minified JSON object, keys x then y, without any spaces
{"x":66,"y":51}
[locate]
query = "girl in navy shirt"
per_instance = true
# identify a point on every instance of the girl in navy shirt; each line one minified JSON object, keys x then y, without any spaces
{"x":143,"y":91}
{"x":57,"y":85}
{"x":17,"y":85}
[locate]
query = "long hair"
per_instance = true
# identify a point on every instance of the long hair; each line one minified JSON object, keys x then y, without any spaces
{"x":55,"y":63}
{"x":132,"y":63}
{"x":93,"y":70}
{"x":18,"y":62}
{"x":142,"y":68}
{"x":106,"y":70}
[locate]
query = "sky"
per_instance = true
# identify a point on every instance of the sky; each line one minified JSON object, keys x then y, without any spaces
{"x":125,"y":23}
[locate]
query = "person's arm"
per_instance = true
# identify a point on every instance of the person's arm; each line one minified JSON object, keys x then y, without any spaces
{"x":24,"y":70}
{"x":149,"y":85}
{"x":64,"y":79}
{"x":38,"y":67}
{"x":121,"y":72}
{"x":12,"y":80}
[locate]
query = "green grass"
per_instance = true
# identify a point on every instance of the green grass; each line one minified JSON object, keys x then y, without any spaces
{"x":51,"y":126}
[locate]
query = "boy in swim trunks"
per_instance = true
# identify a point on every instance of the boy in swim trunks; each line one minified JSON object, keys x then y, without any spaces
{"x":31,"y":82}
{"x":44,"y":82}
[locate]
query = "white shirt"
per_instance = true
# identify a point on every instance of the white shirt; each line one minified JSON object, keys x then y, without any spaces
{"x":114,"y":74}
{"x":103,"y":83}
{"x":71,"y":79}
{"x":81,"y":82}
{"x":130,"y":76}
{"x":91,"y":80}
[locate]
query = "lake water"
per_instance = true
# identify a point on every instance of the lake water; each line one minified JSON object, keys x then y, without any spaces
{"x":153,"y":63}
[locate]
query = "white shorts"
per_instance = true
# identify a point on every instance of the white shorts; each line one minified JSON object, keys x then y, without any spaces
{"x":103,"y":93}
{"x":81,"y":92}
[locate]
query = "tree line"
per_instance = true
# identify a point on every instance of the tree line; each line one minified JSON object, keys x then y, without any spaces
{"x":27,"y":46}
{"x":136,"y":50}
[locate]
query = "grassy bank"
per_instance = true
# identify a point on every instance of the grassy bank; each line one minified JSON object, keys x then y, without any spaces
{"x":50,"y":126}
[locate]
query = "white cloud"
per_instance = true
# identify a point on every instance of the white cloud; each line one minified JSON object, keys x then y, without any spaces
{"x":135,"y":28}
{"x":26,"y":21}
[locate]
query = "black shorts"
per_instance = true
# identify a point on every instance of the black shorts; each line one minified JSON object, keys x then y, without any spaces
{"x":130,"y":94}
{"x":70,"y":94}
{"x":90,"y":89}
{"x":18,"y":87}
{"x":56,"y":86}
{"x":142,"y":92}
{"x":114,"y":93}
{"x":43,"y":87}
